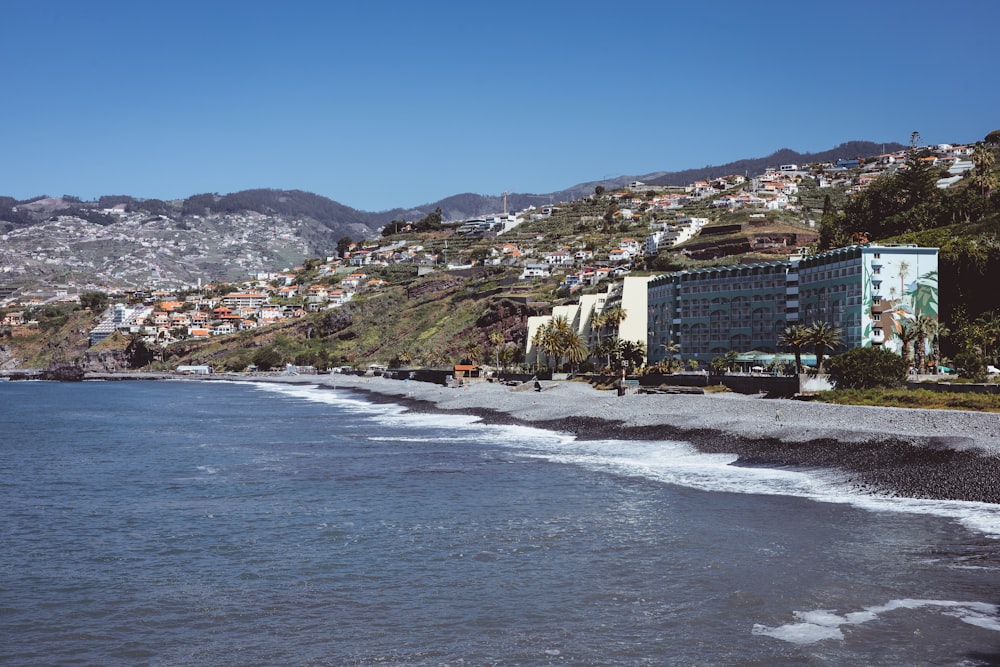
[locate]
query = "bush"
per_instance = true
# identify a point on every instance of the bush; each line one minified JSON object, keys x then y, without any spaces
{"x":972,"y":365}
{"x":868,"y":368}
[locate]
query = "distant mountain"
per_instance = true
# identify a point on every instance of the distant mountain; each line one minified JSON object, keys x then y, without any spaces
{"x":344,"y":220}
{"x":749,"y":166}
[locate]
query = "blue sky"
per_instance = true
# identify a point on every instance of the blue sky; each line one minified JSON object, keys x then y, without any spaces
{"x":387,"y":104}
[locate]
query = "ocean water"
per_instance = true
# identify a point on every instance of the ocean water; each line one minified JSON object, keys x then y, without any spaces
{"x":216,"y":523}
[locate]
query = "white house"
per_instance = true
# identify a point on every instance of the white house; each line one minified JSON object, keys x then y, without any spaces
{"x":558,"y":258}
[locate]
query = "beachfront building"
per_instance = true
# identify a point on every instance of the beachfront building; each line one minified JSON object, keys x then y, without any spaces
{"x":577,"y":315}
{"x":631,"y":295}
{"x":708,"y":312}
{"x":868,"y":291}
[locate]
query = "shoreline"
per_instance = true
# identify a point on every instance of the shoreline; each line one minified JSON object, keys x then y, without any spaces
{"x":914,"y":453}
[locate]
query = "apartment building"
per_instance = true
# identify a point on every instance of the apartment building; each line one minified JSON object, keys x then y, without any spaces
{"x":867,"y":291}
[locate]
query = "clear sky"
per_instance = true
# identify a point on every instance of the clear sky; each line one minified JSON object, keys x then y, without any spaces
{"x":386,"y":104}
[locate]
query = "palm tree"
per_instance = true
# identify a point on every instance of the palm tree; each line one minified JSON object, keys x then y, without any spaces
{"x":935,"y":330}
{"x":823,"y":336}
{"x":633,"y":354}
{"x":731,"y":358}
{"x":671,"y":348}
{"x":907,"y":335}
{"x":597,"y":322}
{"x":576,"y":350}
{"x":605,"y":349}
{"x":795,"y":337}
{"x":497,"y":340}
{"x":473,"y":352}
{"x":552,"y":338}
{"x":923,"y":325}
{"x":983,"y":176}
{"x":538,"y":341}
{"x":614,"y":316}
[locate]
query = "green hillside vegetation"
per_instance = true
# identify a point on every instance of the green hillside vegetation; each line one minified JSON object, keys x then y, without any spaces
{"x":434,"y":321}
{"x":60,"y":335}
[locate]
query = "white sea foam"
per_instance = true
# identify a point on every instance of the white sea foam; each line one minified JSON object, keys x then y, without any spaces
{"x":316,"y":394}
{"x":667,"y":461}
{"x":821,"y":624}
{"x":681,"y":464}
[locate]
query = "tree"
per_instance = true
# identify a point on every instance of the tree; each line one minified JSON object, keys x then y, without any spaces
{"x":553,"y":339}
{"x":606,"y":349}
{"x":538,"y":341}
{"x":923,"y":326}
{"x":94,"y":301}
{"x":343,"y":245}
{"x":984,"y":176}
{"x":993,"y":138}
{"x":935,"y":330}
{"x":907,"y":335}
{"x":795,"y":338}
{"x":731,"y":358}
{"x":614,"y":316}
{"x":823,"y":336}
{"x":988,"y":335}
{"x":576,"y":350}
{"x":718,"y":366}
{"x":599,"y":190}
{"x":267,"y":358}
{"x":670,"y":348}
{"x":597,"y":322}
{"x":430,"y":222}
{"x":868,"y":368}
{"x":497,"y":340}
{"x":632,"y":354}
{"x":894,"y":203}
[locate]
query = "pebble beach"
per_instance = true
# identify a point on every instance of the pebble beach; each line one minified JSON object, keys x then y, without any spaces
{"x":939,"y":454}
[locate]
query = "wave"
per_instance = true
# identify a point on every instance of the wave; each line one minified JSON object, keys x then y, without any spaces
{"x":671,"y":462}
{"x":821,"y":624}
{"x":681,"y":464}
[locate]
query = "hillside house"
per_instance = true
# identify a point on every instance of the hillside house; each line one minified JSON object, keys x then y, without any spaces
{"x":536,"y":271}
{"x":631,"y":246}
{"x":619,"y":255}
{"x":317,"y":294}
{"x":252,"y":300}
{"x":558,"y":258}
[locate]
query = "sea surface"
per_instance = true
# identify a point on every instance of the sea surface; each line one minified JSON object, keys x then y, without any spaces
{"x":219,"y":523}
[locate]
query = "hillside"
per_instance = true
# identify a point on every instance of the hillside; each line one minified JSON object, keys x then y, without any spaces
{"x":432,"y":295}
{"x":120,"y":240}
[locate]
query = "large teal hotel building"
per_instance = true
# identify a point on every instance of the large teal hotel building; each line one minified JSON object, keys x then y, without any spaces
{"x":867,"y":291}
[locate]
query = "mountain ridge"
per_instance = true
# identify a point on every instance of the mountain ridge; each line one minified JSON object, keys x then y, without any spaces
{"x":454,"y":207}
{"x":120,"y":239}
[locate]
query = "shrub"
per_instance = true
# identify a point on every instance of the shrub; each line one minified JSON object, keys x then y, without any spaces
{"x":972,"y":365}
{"x":868,"y":368}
